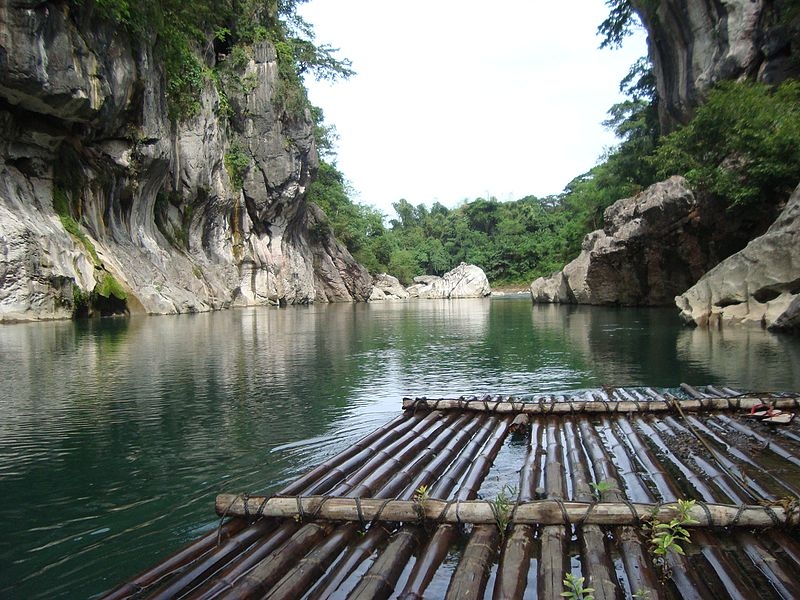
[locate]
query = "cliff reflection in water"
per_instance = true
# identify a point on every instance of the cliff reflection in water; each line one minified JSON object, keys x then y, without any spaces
{"x":755,"y":359}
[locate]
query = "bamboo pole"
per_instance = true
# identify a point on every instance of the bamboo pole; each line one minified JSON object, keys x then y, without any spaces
{"x":381,"y":578}
{"x":463,"y":430}
{"x":412,"y":459}
{"x":433,"y":554}
{"x":536,"y":512}
{"x":469,"y":580}
{"x":515,"y":559}
{"x":574,"y":405}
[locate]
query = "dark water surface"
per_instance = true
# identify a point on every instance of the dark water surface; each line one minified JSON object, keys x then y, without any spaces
{"x":116,"y":435}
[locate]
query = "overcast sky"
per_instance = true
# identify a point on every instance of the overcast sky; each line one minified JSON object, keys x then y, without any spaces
{"x":457,"y":100}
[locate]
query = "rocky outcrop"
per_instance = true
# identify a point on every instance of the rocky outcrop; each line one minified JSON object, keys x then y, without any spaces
{"x":758,"y":285}
{"x":653,"y":246}
{"x":97,"y":182}
{"x":694,"y":44}
{"x":387,"y":287}
{"x":465,"y":281}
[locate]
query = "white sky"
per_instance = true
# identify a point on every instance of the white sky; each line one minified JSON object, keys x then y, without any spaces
{"x":455,"y":100}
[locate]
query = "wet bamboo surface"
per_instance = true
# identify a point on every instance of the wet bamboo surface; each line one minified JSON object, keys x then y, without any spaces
{"x":587,"y":482}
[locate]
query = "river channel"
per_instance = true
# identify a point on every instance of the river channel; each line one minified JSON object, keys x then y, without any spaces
{"x":116,"y":435}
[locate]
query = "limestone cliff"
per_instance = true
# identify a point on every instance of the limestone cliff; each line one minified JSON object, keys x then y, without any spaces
{"x":694,"y":44}
{"x":87,"y":145}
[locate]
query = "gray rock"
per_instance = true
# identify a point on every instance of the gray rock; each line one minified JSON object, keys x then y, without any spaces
{"x":465,"y":281}
{"x":645,"y":254}
{"x":387,"y":287}
{"x":694,"y":45}
{"x":758,"y":285}
{"x":155,"y":200}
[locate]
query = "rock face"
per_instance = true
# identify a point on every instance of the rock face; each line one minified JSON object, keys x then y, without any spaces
{"x":84,"y":132}
{"x":760,"y":284}
{"x":387,"y":287}
{"x":652,"y":247}
{"x":465,"y":281}
{"x":694,"y":44}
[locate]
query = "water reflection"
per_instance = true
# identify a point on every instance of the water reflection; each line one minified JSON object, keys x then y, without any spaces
{"x":748,"y":357}
{"x":115,"y":435}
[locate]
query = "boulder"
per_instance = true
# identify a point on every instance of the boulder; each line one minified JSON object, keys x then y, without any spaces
{"x":465,"y":281}
{"x":758,"y":285}
{"x":647,"y":252}
{"x":387,"y":287}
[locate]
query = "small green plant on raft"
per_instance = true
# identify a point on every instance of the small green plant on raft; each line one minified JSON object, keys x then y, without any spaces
{"x":501,"y":507}
{"x":667,"y":538}
{"x":574,"y":589}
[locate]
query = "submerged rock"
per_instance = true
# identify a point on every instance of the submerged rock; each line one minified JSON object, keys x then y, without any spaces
{"x":465,"y":281}
{"x":758,"y":285}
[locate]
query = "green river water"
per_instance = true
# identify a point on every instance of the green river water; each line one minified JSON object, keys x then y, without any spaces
{"x":116,"y":435}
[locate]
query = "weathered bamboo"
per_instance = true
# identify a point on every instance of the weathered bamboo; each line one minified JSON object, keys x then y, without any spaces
{"x":413,"y":458}
{"x":553,"y":538}
{"x":594,"y":564}
{"x":381,"y":578}
{"x":463,"y":430}
{"x":432,"y":555}
{"x":512,"y":570}
{"x":273,"y":570}
{"x":469,"y":580}
{"x":479,"y":512}
{"x":570,"y":406}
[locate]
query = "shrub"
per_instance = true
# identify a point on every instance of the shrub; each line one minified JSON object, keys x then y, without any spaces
{"x":743,"y":144}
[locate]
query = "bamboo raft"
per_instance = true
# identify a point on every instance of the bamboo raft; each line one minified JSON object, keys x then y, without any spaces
{"x":416,"y":508}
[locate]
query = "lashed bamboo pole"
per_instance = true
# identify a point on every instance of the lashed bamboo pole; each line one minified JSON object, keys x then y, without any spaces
{"x":369,"y":479}
{"x":594,"y":563}
{"x":339,"y":471}
{"x":573,"y":405}
{"x":535,"y":512}
{"x":553,"y":538}
{"x":512,"y":570}
{"x":463,"y":431}
{"x":637,"y":565}
{"x":413,"y":459}
{"x":210,"y":549}
{"x":469,"y":580}
{"x":380,"y":580}
{"x":433,"y":554}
